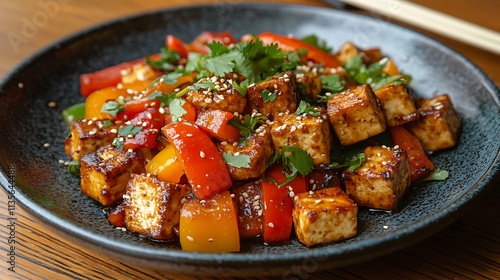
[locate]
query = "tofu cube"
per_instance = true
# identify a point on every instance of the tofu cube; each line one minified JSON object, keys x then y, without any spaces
{"x":381,"y":181}
{"x":152,"y":206}
{"x":258,"y":148}
{"x":355,"y":115}
{"x":438,"y":126}
{"x":222,"y":96}
{"x":87,"y":136}
{"x":105,"y":173}
{"x":281,"y":96}
{"x":398,"y":105}
{"x":326,"y":215}
{"x":309,"y":84}
{"x":346,"y":52}
{"x":310,"y":133}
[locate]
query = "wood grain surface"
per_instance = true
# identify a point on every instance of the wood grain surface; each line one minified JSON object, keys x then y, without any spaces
{"x":467,"y":249}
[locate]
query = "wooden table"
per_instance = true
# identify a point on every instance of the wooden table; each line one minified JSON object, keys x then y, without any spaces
{"x":468,"y":248}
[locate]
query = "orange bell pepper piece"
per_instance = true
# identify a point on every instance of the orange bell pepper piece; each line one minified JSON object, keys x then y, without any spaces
{"x":94,"y":102}
{"x":209,"y":226}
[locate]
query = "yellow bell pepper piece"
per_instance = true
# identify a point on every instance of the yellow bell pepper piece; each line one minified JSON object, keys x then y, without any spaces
{"x":166,"y":166}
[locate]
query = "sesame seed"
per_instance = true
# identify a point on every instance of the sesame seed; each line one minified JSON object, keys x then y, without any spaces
{"x":271,"y":225}
{"x":190,"y":238}
{"x":202,"y":154}
{"x":317,"y":201}
{"x":20,"y":85}
{"x":210,"y":240}
{"x":189,"y":135}
{"x":52,"y":104}
{"x":385,"y":227}
{"x":46,"y":145}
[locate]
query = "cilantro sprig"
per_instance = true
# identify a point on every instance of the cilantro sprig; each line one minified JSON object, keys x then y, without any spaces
{"x":437,"y":174}
{"x":168,"y":60}
{"x":303,"y":108}
{"x":237,"y":160}
{"x":247,"y":126}
{"x":351,"y":163}
{"x":295,"y":161}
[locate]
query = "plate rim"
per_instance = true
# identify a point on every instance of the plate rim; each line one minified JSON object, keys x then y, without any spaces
{"x":71,"y":230}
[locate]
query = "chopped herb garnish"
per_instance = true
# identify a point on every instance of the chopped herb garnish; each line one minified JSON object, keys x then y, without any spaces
{"x":294,"y":161}
{"x":167,"y":62}
{"x":129,"y":130}
{"x":176,"y":109}
{"x":351,"y":163}
{"x":74,"y":167}
{"x":238,"y":161}
{"x":268,"y":96}
{"x":304,"y":109}
{"x":171,"y":78}
{"x":437,"y":174}
{"x":118,"y":143}
{"x":399,"y":79}
{"x":241,"y":87}
{"x":112,"y":107}
{"x":313,"y":40}
{"x":247,"y":127}
{"x":107,"y":123}
{"x":332,"y":83}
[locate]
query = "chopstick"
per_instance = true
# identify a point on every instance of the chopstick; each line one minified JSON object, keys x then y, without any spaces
{"x":431,"y":20}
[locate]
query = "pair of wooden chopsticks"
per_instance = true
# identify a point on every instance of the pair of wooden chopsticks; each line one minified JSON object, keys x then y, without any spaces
{"x":431,"y":20}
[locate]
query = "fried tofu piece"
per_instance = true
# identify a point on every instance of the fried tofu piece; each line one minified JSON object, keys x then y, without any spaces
{"x":381,"y":181}
{"x":248,"y":199}
{"x":105,"y":173}
{"x":152,"y":206}
{"x":398,"y":105}
{"x":281,"y":95}
{"x":310,"y":133}
{"x":325,"y":215}
{"x":87,"y":136}
{"x":346,"y":52}
{"x":438,"y":126}
{"x":355,"y":115}
{"x":222,"y":96}
{"x":258,"y":148}
{"x":309,"y":84}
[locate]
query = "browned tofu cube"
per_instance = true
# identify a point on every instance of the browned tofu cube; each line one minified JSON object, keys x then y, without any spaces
{"x":355,"y":115}
{"x":398,"y":105}
{"x":87,"y":136}
{"x":438,"y":126}
{"x":309,"y":84}
{"x":248,"y":199}
{"x":279,"y":94}
{"x":222,"y":95}
{"x":346,"y":52}
{"x":381,"y":181}
{"x":258,"y":150}
{"x":310,"y":133}
{"x":325,"y":215}
{"x":152,"y":206}
{"x":105,"y":173}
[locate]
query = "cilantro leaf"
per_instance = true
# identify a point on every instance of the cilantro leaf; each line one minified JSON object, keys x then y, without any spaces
{"x":351,"y":163}
{"x":112,"y":107}
{"x":129,"y":130}
{"x":396,"y":79}
{"x":437,"y":174}
{"x":238,"y":161}
{"x":176,"y":109}
{"x":268,"y":96}
{"x":241,"y":88}
{"x":314,"y":41}
{"x":294,"y":161}
{"x":332,"y":83}
{"x":167,"y":62}
{"x":304,"y":109}
{"x":118,"y":143}
{"x":247,"y":127}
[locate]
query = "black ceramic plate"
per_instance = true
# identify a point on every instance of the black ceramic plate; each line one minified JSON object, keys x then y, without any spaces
{"x":44,"y":187}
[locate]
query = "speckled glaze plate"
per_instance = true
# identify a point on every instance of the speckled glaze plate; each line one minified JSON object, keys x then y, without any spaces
{"x":44,"y":187}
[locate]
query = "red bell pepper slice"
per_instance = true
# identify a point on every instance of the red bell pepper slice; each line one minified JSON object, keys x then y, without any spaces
{"x":199,"y":44}
{"x":136,"y":106}
{"x":175,"y":44}
{"x":205,"y":168}
{"x":151,"y":121}
{"x":420,"y":165}
{"x":107,"y":77}
{"x":293,"y":44}
{"x":215,"y":123}
{"x":278,"y":205}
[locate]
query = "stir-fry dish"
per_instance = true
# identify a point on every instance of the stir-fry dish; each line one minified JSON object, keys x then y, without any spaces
{"x":273,"y":137}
